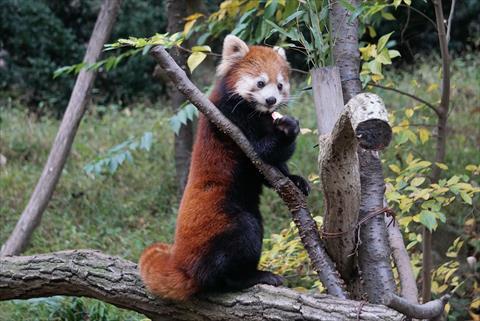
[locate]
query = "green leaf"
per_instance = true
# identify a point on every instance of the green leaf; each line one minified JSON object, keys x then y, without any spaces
{"x":146,"y":141}
{"x":384,"y":57}
{"x":195,"y":60}
{"x":466,"y":198}
{"x":417,"y":181}
{"x":388,"y":16}
{"x":270,"y":9}
{"x":291,"y":17}
{"x":393,"y":53}
{"x":375,"y":67}
{"x":201,"y":49}
{"x":383,"y":41}
{"x":347,"y":5}
{"x":428,"y":219}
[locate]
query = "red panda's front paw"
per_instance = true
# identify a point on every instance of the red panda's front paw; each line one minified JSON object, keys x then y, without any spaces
{"x":288,"y":126}
{"x":301,"y":183}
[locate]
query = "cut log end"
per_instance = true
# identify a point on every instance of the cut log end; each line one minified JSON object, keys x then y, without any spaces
{"x":373,"y":134}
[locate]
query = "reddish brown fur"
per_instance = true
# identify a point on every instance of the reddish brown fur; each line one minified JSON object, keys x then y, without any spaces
{"x":167,"y":270}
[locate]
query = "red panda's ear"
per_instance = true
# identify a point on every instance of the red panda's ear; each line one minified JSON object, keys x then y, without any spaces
{"x":280,"y":51}
{"x":234,"y":49}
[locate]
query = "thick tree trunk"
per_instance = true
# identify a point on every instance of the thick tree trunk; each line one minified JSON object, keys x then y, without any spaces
{"x":374,"y":250}
{"x":177,"y":10}
{"x":40,"y":197}
{"x":116,"y":281}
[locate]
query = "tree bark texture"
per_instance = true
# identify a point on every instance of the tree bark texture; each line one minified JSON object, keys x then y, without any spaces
{"x":379,"y":281}
{"x":116,"y":281}
{"x":338,"y":160}
{"x":344,"y":33}
{"x":177,"y":10}
{"x":290,"y":194}
{"x":32,"y":214}
{"x":374,"y":251}
{"x":338,"y":168}
{"x":408,"y":285}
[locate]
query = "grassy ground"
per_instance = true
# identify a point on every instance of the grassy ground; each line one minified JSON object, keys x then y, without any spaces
{"x":122,"y":213}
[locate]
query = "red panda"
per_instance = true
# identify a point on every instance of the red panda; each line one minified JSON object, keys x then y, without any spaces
{"x":219,"y":230}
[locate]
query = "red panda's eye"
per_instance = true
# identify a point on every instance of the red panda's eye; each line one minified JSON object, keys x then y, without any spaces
{"x":260,"y":84}
{"x":279,"y":86}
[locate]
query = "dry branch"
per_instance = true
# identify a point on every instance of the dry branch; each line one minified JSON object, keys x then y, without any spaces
{"x":291,"y":195}
{"x":116,"y":281}
{"x":32,"y":214}
{"x":408,"y":286}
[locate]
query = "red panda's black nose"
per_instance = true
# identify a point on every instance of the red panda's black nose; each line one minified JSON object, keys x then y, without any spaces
{"x":271,"y":101}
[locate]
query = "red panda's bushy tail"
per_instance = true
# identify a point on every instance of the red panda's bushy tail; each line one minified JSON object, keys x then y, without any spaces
{"x":161,"y":276}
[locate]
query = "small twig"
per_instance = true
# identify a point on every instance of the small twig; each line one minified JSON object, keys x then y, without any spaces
{"x":300,"y":71}
{"x":450,"y":17}
{"x":402,"y":34}
{"x":422,"y":14}
{"x":205,"y":52}
{"x":426,"y":103}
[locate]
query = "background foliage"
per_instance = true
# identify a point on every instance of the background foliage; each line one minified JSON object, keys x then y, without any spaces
{"x":118,"y":193}
{"x":40,"y":36}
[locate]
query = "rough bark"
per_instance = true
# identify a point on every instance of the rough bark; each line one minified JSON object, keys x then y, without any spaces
{"x":408,"y":285}
{"x":373,"y":251}
{"x":337,"y":154}
{"x":291,"y":195}
{"x":346,"y":56}
{"x":440,"y":149}
{"x":32,"y":214}
{"x":116,"y":281}
{"x":364,"y":120}
{"x":177,"y":10}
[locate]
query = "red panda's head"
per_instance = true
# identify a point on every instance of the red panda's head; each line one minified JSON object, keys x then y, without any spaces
{"x":258,"y":74}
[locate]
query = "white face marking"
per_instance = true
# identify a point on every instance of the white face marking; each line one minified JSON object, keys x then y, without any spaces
{"x":248,"y":87}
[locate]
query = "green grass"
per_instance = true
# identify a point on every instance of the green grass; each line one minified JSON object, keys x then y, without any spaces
{"x":123,"y":213}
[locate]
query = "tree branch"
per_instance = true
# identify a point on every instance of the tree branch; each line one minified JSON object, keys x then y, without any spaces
{"x":116,"y":281}
{"x":440,"y":148}
{"x":426,"y":103}
{"x":409,"y":290}
{"x":450,"y":18}
{"x":291,"y":195}
{"x":32,"y":214}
